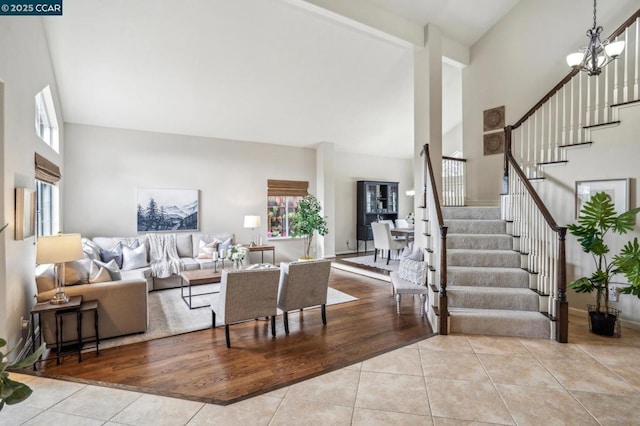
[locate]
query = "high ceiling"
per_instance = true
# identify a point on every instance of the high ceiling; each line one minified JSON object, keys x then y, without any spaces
{"x":253,"y":70}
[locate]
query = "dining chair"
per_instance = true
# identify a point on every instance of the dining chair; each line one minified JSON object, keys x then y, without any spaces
{"x":382,"y":240}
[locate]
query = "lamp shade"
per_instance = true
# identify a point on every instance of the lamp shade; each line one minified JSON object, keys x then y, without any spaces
{"x":59,"y":248}
{"x":574,"y":59}
{"x":252,"y":221}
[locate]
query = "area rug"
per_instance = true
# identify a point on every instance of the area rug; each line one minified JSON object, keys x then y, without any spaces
{"x":169,"y":315}
{"x":368,"y":261}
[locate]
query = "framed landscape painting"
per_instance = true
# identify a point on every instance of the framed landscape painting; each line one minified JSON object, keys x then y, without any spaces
{"x":616,"y":189}
{"x":167,"y":210}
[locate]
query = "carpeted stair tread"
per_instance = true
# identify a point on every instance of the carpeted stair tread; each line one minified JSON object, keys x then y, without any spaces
{"x":499,"y":322}
{"x":479,"y":241}
{"x":487,"y":277}
{"x":468,"y":226}
{"x":520,"y":299}
{"x":483,"y":258}
{"x":485,"y":212}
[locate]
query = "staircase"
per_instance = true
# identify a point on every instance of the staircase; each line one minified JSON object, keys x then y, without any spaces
{"x":488,"y":291}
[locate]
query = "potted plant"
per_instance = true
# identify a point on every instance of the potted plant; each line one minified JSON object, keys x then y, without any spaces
{"x":11,"y":391}
{"x":597,"y":218}
{"x":306,"y":221}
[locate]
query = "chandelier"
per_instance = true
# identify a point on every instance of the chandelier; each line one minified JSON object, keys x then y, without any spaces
{"x":592,"y":58}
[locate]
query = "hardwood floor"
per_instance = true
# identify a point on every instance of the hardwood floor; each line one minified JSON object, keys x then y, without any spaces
{"x":198,"y":365}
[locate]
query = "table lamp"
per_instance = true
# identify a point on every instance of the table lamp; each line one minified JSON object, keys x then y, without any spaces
{"x":252,"y":222}
{"x":59,"y":249}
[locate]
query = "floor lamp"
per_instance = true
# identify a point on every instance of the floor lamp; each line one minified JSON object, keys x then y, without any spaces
{"x":58,"y":249}
{"x":252,"y":222}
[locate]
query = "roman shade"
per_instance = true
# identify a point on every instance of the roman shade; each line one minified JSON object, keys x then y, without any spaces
{"x":46,"y":171}
{"x":291,"y":188}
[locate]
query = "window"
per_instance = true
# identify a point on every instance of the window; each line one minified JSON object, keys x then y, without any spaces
{"x":282,"y":202}
{"x":46,"y":119}
{"x":44,"y":208}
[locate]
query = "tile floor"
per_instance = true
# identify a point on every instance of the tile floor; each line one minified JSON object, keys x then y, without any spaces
{"x":445,"y":380}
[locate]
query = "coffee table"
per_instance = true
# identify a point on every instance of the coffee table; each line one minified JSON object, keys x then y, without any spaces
{"x":195,"y":277}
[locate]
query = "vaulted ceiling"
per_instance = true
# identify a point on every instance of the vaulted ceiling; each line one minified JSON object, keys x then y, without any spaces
{"x":253,"y":70}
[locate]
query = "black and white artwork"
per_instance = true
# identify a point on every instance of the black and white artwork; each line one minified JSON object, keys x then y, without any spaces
{"x":167,"y":210}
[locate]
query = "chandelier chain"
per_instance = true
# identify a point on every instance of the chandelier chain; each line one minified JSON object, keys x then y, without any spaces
{"x":594,"y":14}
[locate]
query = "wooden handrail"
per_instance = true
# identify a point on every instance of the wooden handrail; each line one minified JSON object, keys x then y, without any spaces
{"x":464,"y":160}
{"x":572,"y":73}
{"x":429,"y":168}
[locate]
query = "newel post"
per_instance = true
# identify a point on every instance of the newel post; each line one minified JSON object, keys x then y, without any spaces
{"x":562,"y":306}
{"x":443,"y":314}
{"x":507,"y":154}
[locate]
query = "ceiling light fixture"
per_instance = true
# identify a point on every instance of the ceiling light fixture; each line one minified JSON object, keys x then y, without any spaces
{"x":592,"y":58}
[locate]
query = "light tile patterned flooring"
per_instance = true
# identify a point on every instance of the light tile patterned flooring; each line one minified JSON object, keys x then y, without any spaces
{"x":445,"y":380}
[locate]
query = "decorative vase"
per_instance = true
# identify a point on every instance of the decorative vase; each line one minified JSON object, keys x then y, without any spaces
{"x":237,"y":263}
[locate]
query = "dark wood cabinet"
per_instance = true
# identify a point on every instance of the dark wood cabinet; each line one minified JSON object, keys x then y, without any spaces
{"x":375,"y":201}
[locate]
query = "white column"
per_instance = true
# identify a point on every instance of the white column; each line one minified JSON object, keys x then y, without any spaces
{"x":427,"y":111}
{"x":325,"y":192}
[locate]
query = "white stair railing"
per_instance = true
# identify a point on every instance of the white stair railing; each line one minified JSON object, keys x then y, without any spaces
{"x":453,"y":181}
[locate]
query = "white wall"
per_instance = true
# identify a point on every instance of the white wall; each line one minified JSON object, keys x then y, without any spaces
{"x":516,"y":63}
{"x":25,"y":69}
{"x":351,"y":168}
{"x":612,"y":155}
{"x":104,"y":166}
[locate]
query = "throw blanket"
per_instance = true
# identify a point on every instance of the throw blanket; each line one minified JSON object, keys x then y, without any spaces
{"x":164,"y":255}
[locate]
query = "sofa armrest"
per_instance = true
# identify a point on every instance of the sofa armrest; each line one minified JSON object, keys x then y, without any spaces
{"x":122,"y":309}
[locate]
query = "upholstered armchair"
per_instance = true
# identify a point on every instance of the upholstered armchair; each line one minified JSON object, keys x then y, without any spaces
{"x":382,"y":240}
{"x":303,"y":284}
{"x":246,"y":295}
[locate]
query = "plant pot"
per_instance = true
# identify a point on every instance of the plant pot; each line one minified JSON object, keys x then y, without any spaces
{"x":602,"y":324}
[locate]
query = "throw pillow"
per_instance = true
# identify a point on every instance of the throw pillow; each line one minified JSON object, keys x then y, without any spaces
{"x":102,"y":276}
{"x":77,"y":272}
{"x":413,"y":271}
{"x":114,"y":254}
{"x":205,"y":250}
{"x":413,"y":254}
{"x":223,"y":245}
{"x":90,"y":249}
{"x":134,"y":258}
{"x":111,"y":266}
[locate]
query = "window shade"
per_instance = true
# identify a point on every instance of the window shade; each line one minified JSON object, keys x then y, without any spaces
{"x":291,"y":188}
{"x":46,"y":171}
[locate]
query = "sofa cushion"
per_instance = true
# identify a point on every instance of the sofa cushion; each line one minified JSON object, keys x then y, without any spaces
{"x":205,"y":250}
{"x":189,"y":264}
{"x":205,"y":263}
{"x":114,"y":253}
{"x":143,"y":273}
{"x":111,"y":266}
{"x":184,"y":245}
{"x":102,"y":276}
{"x":134,"y":258}
{"x":208,"y":238}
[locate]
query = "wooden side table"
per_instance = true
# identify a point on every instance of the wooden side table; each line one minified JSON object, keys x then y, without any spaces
{"x":88,"y":307}
{"x":262,"y":249}
{"x":71,"y":306}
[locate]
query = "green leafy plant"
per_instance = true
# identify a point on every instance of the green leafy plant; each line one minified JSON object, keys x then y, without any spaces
{"x":11,"y":391}
{"x":307,"y":220}
{"x":597,"y":218}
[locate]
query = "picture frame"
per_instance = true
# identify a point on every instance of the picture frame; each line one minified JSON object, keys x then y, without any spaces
{"x":25,"y":213}
{"x":617,"y":189}
{"x":160,"y":210}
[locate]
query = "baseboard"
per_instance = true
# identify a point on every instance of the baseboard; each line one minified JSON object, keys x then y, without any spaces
{"x":339,"y":253}
{"x":360,"y":271}
{"x":625,"y":323}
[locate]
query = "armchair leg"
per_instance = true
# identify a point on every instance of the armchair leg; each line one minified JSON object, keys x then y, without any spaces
{"x":273,"y":325}
{"x":324,"y":314}
{"x":286,"y":322}
{"x":375,"y":254}
{"x":388,"y":256}
{"x":423,"y":302}
{"x":213,"y":319}
{"x":398,"y":296}
{"x":226,"y":335}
